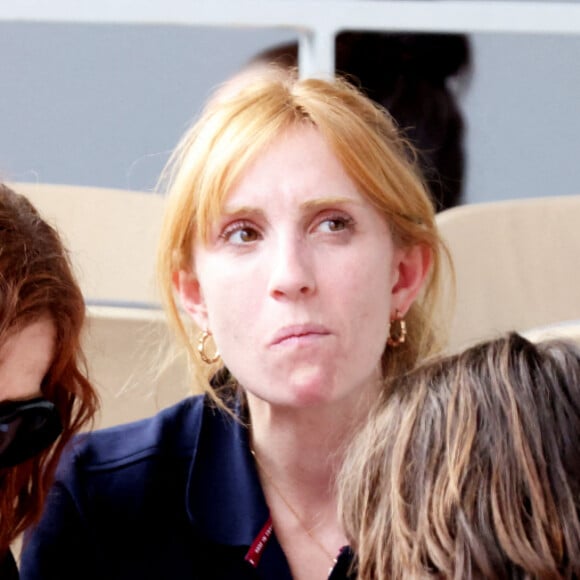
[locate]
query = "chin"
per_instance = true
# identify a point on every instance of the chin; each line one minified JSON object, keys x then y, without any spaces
{"x":312,"y":390}
{"x":295,"y":387}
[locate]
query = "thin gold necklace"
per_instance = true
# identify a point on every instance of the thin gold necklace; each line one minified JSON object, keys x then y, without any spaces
{"x":292,"y":510}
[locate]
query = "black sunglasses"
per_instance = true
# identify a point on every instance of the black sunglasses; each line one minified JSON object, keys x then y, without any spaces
{"x":26,"y":428}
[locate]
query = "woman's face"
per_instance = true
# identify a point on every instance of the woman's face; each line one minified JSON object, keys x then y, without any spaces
{"x":25,"y":358}
{"x":299,"y":279}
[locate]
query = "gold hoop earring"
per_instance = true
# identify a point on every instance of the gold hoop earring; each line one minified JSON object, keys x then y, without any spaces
{"x":397,"y":331}
{"x":201,"y":342}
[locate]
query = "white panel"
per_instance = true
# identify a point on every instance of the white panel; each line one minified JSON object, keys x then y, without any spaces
{"x":318,"y":21}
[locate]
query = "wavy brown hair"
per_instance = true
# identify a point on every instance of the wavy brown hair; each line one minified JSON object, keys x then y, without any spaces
{"x":472,"y":468}
{"x":36,"y":280}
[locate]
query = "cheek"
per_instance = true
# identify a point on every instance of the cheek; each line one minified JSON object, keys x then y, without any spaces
{"x":232,"y":308}
{"x":366,"y":302}
{"x":369,"y":284}
{"x":230,"y":283}
{"x":16,"y":384}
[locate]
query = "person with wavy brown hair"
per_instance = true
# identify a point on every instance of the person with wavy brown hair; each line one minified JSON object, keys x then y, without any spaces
{"x":45,"y":395}
{"x":471,"y":469}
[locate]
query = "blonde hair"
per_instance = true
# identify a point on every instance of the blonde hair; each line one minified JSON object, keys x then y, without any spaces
{"x":239,"y":123}
{"x":471,"y":469}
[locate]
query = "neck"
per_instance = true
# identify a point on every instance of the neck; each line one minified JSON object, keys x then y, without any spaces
{"x":301,"y":449}
{"x":298,"y":451}
{"x":304,"y":445}
{"x":304,"y":513}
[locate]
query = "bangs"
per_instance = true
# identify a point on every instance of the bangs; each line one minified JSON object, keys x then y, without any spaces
{"x":231,"y":135}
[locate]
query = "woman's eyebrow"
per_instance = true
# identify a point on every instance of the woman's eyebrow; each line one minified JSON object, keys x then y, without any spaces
{"x":246,"y":210}
{"x":315,"y":203}
{"x":327,"y":201}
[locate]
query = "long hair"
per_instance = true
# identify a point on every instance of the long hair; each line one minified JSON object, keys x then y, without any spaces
{"x":471,"y":469}
{"x":36,"y":280}
{"x":239,"y":123}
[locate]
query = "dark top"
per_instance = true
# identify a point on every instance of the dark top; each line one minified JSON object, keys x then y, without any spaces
{"x":8,"y":569}
{"x":173,"y":496}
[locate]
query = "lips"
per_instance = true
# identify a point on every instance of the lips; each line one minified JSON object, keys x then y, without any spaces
{"x":298,"y":333}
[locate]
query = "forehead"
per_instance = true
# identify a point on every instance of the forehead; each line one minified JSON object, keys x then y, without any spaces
{"x":25,"y":357}
{"x":297,"y":164}
{"x":39,"y":334}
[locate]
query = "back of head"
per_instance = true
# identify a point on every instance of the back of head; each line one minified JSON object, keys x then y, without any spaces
{"x":36,"y":281}
{"x":408,"y":73}
{"x":471,"y":469}
{"x":248,"y":114}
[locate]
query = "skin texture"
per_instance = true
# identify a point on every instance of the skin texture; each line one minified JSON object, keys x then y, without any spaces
{"x":235,"y":129}
{"x":297,"y":279}
{"x":25,"y":358}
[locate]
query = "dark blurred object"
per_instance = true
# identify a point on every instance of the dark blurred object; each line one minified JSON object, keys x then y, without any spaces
{"x":408,"y":74}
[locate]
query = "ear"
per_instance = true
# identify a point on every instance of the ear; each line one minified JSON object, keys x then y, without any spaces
{"x":412,"y":265}
{"x":187,"y":286}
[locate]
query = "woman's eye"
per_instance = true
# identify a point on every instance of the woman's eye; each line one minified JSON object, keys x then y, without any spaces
{"x":240,"y":234}
{"x":335,"y":224}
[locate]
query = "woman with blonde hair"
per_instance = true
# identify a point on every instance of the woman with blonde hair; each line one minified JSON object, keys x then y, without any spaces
{"x":297,"y":237}
{"x":45,"y":396}
{"x":471,"y":468}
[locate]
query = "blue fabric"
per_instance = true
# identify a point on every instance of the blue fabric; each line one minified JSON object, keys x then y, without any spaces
{"x":176,"y":496}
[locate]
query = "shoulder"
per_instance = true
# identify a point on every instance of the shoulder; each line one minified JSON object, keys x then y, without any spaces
{"x":132,"y":465}
{"x":172,"y":432}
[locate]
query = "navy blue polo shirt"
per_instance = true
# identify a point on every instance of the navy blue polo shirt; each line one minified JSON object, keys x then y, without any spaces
{"x":8,"y":569}
{"x":174,"y":496}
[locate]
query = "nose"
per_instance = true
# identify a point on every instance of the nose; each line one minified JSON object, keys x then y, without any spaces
{"x":292,"y":271}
